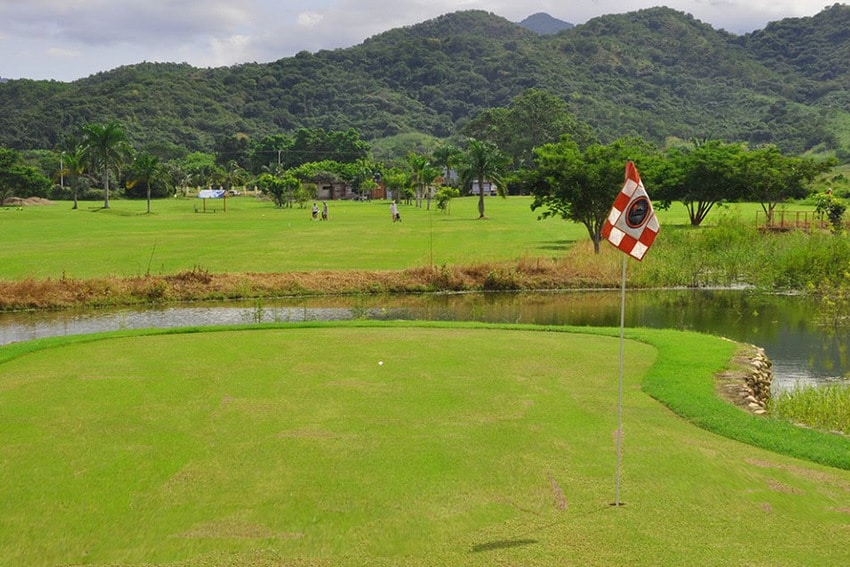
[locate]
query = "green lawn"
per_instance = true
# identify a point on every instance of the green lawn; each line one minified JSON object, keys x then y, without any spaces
{"x":54,"y":241}
{"x":469,"y":445}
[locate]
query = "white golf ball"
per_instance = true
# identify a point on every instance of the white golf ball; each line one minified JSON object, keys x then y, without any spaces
{"x":380,"y":363}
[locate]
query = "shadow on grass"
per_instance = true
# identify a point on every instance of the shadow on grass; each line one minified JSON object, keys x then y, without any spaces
{"x":556,"y":245}
{"x":114,"y":212}
{"x":502,"y":544}
{"x":463,"y":219}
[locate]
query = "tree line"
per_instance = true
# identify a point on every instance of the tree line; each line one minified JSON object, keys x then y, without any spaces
{"x":534,"y":146}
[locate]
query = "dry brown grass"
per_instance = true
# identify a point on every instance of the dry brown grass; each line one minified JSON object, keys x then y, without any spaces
{"x":579,"y":268}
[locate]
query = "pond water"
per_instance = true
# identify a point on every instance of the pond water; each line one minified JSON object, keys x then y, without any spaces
{"x":802,"y":351}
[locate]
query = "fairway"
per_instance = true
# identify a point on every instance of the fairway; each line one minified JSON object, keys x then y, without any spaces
{"x":371,"y":443}
{"x":54,"y":241}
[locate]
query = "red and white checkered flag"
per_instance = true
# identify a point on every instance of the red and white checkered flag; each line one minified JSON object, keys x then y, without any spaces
{"x":631,"y":225}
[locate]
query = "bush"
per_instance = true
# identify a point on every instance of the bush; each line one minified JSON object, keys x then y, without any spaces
{"x":500,"y":280}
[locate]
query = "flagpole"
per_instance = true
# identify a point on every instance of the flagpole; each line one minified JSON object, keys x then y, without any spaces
{"x":620,"y":394}
{"x":631,"y":227}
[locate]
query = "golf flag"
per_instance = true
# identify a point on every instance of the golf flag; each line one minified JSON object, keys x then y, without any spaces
{"x":631,"y":225}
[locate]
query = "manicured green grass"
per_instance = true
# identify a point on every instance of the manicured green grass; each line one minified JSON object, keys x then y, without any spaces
{"x":470,"y":444}
{"x":53,"y":241}
{"x":254,"y":236}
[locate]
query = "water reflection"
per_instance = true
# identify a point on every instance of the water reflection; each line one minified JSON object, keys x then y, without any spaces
{"x":802,"y":352}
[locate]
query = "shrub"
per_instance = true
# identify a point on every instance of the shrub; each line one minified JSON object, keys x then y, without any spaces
{"x":500,"y":280}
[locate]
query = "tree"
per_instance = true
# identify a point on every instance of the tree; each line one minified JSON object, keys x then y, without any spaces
{"x":232,"y":149}
{"x":482,"y":162}
{"x":147,"y":169}
{"x":105,"y":147}
{"x":283,"y":188}
{"x":701,"y":177}
{"x":18,"y":178}
{"x":316,"y":145}
{"x":198,"y":169}
{"x":397,"y":183}
{"x":291,"y":187}
{"x":446,"y":158}
{"x":444,"y":198}
{"x":826,"y":204}
{"x":269,"y":152}
{"x":581,"y":185}
{"x":320,"y":174}
{"x":234,"y":175}
{"x":533,"y":118}
{"x":428,"y":176}
{"x":772,"y":178}
{"x":422,"y":176}
{"x":73,"y":166}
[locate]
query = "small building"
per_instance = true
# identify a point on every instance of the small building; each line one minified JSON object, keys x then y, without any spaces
{"x":489,"y":189}
{"x":335,"y":191}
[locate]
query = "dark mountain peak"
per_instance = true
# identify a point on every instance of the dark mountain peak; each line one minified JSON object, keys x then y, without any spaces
{"x":463,"y":22}
{"x":544,"y":24}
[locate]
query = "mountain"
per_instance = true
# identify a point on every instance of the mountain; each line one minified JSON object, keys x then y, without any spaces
{"x":544,"y":24}
{"x":655,"y":73}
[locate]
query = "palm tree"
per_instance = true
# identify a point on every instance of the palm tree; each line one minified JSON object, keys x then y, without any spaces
{"x":73,"y":165}
{"x":417,"y":164}
{"x":422,"y":176}
{"x":234,"y":174}
{"x":445,"y":158}
{"x":482,"y":162}
{"x":105,"y":147}
{"x":427,"y":177}
{"x":147,"y":169}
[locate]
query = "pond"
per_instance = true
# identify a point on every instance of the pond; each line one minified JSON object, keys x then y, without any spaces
{"x":802,"y":351}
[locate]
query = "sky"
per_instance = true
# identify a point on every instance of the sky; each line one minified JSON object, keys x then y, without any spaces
{"x":65,"y":40}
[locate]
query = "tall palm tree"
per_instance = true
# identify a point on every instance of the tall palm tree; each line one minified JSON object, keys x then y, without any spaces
{"x":417,"y":164}
{"x":445,"y":158}
{"x":428,"y":176}
{"x":73,"y":166}
{"x":423,"y":175}
{"x":147,"y":169}
{"x":483,"y":162}
{"x":105,"y":147}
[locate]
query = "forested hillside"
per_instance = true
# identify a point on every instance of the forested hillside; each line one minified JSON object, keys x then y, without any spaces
{"x":656,"y":73}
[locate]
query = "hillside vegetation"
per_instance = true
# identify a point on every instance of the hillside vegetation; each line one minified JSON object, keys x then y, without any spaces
{"x":657,"y":73}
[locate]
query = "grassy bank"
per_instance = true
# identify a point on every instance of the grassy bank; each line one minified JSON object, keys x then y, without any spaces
{"x":293,"y":445}
{"x":55,"y":257}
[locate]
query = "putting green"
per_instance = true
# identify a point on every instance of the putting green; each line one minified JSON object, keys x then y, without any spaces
{"x":468,"y":445}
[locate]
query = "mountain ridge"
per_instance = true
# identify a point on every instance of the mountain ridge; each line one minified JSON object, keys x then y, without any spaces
{"x":656,"y":73}
{"x":544,"y":24}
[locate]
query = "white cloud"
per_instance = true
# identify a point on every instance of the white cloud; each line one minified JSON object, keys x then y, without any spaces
{"x":309,"y":19}
{"x":227,"y":51}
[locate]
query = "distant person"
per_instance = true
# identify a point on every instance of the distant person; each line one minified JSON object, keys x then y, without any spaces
{"x":394,"y":212}
{"x":315,"y":211}
{"x":324,"y":211}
